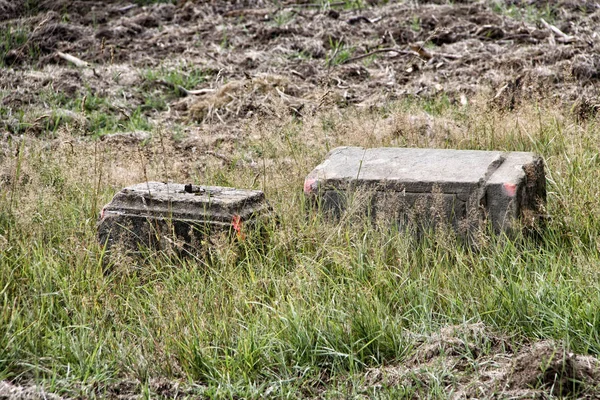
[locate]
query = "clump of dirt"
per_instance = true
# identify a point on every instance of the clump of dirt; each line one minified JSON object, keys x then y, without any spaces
{"x":125,"y":389}
{"x":48,"y":37}
{"x":27,"y":8}
{"x":262,"y":94}
{"x":16,"y":392}
{"x":8,"y":9}
{"x":460,"y":341}
{"x":549,"y":367}
{"x":476,"y":362}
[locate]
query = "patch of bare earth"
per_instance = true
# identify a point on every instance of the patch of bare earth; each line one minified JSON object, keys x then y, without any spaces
{"x":474,"y":362}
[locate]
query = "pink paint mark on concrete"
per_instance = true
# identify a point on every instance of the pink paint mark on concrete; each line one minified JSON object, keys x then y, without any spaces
{"x":510,"y":189}
{"x":310,"y":184}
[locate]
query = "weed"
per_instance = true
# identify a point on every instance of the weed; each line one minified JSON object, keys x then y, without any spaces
{"x":353,"y":4}
{"x":300,"y":55}
{"x":338,"y":54}
{"x":282,"y":18}
{"x":147,"y":2}
{"x":14,"y":45}
{"x":185,"y":76}
{"x":437,"y":105}
{"x":415,"y":24}
{"x":345,"y":4}
{"x":529,"y":13}
{"x":225,"y":41}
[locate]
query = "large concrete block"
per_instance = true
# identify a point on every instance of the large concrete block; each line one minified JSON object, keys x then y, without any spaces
{"x":462,"y":187}
{"x":160,"y":215}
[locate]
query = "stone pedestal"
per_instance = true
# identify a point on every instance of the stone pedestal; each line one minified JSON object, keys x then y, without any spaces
{"x":171,"y":215}
{"x":464,"y":188}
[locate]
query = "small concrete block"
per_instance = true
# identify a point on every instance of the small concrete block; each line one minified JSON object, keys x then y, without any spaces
{"x":156,"y":214}
{"x":462,"y":187}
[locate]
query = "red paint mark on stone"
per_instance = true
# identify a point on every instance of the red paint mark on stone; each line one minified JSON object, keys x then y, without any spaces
{"x":510,"y":189}
{"x":309,"y":185}
{"x":236,"y":221}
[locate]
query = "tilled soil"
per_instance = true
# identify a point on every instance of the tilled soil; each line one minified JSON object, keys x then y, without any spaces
{"x":259,"y":57}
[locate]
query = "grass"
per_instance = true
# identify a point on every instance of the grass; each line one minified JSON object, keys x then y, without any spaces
{"x":530,"y":13}
{"x":186,"y":76}
{"x":338,"y":54}
{"x":415,"y":24}
{"x":89,"y":112}
{"x":320,"y":304}
{"x":148,"y":2}
{"x":15,"y":39}
{"x":346,"y":4}
{"x":349,"y":4}
{"x":164,"y":84}
{"x":282,"y":18}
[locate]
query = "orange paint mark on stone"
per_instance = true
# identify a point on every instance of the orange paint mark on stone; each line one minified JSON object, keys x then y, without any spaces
{"x":510,"y":189}
{"x":236,"y":221}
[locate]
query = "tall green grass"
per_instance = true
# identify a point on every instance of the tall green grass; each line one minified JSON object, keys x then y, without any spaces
{"x":319,"y":302}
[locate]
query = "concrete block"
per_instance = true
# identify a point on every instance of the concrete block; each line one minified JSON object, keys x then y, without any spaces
{"x":464,"y":188}
{"x":161,"y":215}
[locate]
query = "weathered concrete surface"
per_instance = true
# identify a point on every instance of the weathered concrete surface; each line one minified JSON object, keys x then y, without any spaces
{"x":463,"y":187}
{"x":158,"y":215}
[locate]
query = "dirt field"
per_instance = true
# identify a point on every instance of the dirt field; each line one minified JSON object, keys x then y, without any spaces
{"x":216,"y":62}
{"x":203,"y":70}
